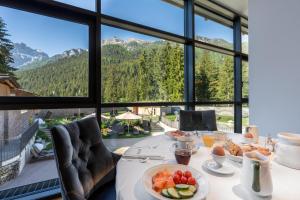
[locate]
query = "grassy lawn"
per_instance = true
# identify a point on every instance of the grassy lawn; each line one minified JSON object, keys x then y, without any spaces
{"x":171,"y":117}
{"x":226,"y":119}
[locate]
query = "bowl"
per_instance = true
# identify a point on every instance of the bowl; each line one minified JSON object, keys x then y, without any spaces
{"x":219,"y":159}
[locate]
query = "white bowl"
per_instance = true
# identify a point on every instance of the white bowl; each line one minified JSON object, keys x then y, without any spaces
{"x":289,"y":138}
{"x":203,"y":185}
{"x":219,"y":159}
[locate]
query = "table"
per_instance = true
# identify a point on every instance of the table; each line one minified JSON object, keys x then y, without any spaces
{"x":286,"y":181}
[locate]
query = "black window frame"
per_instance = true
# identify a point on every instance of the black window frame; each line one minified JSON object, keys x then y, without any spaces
{"x":94,"y":20}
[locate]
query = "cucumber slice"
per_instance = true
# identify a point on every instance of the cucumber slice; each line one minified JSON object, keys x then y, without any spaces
{"x":173,"y":193}
{"x":165,"y":193}
{"x":182,"y":186}
{"x":192,"y":188}
{"x":186,"y":194}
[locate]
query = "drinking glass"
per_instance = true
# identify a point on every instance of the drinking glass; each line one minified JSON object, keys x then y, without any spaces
{"x":182,"y":155}
{"x":208,"y":139}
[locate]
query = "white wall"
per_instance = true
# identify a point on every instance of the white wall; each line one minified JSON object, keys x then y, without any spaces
{"x":274,"y":60}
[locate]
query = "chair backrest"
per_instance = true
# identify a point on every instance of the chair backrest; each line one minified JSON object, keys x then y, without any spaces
{"x":197,"y":120}
{"x":84,"y":163}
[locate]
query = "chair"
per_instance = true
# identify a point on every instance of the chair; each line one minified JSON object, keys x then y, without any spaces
{"x":197,"y":120}
{"x":86,"y":167}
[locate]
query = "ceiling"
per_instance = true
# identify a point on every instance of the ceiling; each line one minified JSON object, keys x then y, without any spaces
{"x":240,"y":6}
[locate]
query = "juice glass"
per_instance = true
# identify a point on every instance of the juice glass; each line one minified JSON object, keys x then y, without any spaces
{"x":208,"y":139}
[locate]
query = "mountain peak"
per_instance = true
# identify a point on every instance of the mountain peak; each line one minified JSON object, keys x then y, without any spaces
{"x":23,"y":55}
{"x":116,"y":40}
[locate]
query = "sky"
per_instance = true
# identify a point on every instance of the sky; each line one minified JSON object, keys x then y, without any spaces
{"x":54,"y":36}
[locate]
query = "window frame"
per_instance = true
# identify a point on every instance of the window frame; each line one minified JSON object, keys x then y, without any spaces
{"x":68,"y":13}
{"x":94,"y":20}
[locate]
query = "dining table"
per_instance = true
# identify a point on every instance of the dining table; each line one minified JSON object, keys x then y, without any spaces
{"x":129,"y":185}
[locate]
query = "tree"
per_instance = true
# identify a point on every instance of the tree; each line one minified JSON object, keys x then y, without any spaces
{"x":5,"y":50}
{"x":202,"y":79}
{"x":226,"y":80}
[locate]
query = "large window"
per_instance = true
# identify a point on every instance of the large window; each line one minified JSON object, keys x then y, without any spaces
{"x":245,"y":43}
{"x":140,"y":68}
{"x":154,"y":13}
{"x":146,"y":60}
{"x":46,"y":57}
{"x":214,"y":76}
{"x":245,"y":79}
{"x":120,"y":133}
{"x":209,"y":31}
{"x":26,"y":146}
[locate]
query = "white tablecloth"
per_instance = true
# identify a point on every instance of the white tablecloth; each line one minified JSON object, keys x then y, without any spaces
{"x":286,"y":181}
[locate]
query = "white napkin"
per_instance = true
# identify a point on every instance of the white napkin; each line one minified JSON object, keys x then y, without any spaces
{"x":143,"y":153}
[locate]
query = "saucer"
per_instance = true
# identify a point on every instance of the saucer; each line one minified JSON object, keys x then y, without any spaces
{"x":212,"y":166}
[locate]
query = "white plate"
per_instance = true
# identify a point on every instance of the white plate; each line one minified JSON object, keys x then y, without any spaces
{"x":212,"y":166}
{"x":203,"y":185}
{"x":168,"y":133}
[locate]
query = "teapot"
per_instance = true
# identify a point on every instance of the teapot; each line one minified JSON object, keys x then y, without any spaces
{"x":255,"y":175}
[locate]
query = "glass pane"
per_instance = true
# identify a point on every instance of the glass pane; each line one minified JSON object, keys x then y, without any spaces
{"x":245,"y":43}
{"x":155,"y":13}
{"x":119,"y":133}
{"x":214,"y":76}
{"x":49,"y":60}
{"x":245,"y":79}
{"x":28,"y":131}
{"x":224,"y":115}
{"x":245,"y":116}
{"x":86,"y":4}
{"x":212,"y":32}
{"x":140,"y":68}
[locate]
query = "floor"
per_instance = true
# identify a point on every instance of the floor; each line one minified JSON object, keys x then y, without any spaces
{"x":32,"y":173}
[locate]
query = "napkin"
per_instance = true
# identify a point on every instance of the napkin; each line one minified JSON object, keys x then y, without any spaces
{"x":143,"y":153}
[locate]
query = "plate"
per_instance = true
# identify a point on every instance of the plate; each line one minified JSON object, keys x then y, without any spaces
{"x":203,"y":186}
{"x":170,"y":135}
{"x":212,"y":166}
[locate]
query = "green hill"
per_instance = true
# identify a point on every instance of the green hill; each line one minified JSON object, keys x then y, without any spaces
{"x":135,"y":72}
{"x":64,"y":77}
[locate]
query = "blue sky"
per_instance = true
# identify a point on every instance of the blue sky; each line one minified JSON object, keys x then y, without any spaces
{"x":54,"y":36}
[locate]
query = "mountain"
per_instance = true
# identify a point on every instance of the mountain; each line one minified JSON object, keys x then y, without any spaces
{"x":65,"y":54}
{"x":67,"y":76}
{"x":24,"y":55}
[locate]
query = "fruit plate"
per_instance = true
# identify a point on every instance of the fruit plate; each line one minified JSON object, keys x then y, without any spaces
{"x":202,"y":183}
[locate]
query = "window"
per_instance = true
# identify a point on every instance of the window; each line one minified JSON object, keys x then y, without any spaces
{"x":26,"y":144}
{"x":50,"y":56}
{"x":212,"y":32}
{"x":86,"y":4}
{"x":214,"y":76}
{"x":120,"y":133}
{"x":155,"y":13}
{"x":140,"y":68}
{"x":224,"y":116}
{"x":245,"y":116}
{"x":245,"y":42}
{"x":245,"y":79}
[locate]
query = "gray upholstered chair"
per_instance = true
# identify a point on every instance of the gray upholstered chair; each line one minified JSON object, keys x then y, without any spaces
{"x":86,"y":167}
{"x":197,"y":120}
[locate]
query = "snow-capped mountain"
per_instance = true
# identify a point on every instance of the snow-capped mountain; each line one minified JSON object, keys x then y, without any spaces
{"x":69,"y":53}
{"x":24,"y":55}
{"x":116,"y":40}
